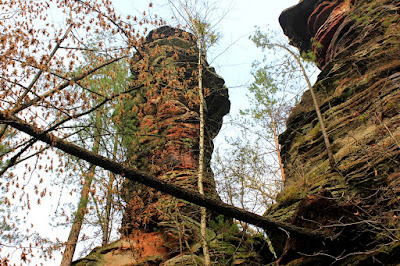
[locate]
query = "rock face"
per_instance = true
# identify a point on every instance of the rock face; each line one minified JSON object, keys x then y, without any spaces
{"x":160,"y":125}
{"x":357,"y":46}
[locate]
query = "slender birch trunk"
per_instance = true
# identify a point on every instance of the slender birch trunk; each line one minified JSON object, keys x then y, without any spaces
{"x":328,"y":146}
{"x":203,"y":222}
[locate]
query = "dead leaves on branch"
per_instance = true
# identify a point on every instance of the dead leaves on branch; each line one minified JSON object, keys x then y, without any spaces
{"x":45,"y":75}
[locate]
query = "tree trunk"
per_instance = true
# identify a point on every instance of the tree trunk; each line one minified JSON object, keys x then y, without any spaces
{"x":78,"y":220}
{"x":277,"y":148}
{"x":212,"y":204}
{"x":328,"y":146}
{"x":203,"y":221}
{"x":82,"y":207}
{"x":109,"y":200}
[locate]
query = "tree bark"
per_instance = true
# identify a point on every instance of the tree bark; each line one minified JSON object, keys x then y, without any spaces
{"x":109,"y":200}
{"x":268,"y":224}
{"x":328,"y":146}
{"x":83,"y":202}
{"x":277,"y":148}
{"x":203,"y":220}
{"x":78,"y":220}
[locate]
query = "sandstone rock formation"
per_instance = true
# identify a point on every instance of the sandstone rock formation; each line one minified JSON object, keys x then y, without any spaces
{"x":357,"y":46}
{"x":160,"y":127}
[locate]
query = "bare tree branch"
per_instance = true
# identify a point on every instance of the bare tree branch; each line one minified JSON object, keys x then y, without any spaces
{"x":63,"y":86}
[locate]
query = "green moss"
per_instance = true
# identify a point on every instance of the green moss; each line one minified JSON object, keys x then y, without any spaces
{"x":291,"y":194}
{"x":185,"y":260}
{"x":309,"y":56}
{"x":178,"y":42}
{"x":314,"y":133}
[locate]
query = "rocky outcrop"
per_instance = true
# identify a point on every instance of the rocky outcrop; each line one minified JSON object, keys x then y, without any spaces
{"x":160,"y":125}
{"x":357,"y":46}
{"x":159,"y":122}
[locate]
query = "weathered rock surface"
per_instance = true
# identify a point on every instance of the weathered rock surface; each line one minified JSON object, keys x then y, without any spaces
{"x":357,"y":45}
{"x":160,"y":125}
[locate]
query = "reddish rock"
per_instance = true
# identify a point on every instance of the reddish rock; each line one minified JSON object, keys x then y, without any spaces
{"x":319,"y":24}
{"x":358,"y":92}
{"x":164,"y":129}
{"x":140,"y":248}
{"x":328,"y":18}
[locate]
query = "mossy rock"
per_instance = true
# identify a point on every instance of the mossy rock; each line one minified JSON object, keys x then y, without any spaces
{"x":184,"y":260}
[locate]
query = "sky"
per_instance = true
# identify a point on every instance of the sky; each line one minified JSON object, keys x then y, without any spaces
{"x":232,"y":57}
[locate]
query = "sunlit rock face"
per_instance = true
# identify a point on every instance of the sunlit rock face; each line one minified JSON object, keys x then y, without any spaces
{"x":357,"y":47}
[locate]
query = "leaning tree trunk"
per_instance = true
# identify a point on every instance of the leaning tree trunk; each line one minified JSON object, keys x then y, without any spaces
{"x":83,"y":202}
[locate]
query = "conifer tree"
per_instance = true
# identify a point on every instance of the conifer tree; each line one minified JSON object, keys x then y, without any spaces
{"x":294,"y":62}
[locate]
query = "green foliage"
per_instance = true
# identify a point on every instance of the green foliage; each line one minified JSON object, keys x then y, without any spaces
{"x":268,"y":104}
{"x":309,"y":56}
{"x":223,"y":225}
{"x":4,"y":148}
{"x":9,"y":233}
{"x":126,"y":118}
{"x":111,"y":80}
{"x":208,"y":36}
{"x":253,"y":167}
{"x":8,"y":219}
{"x":278,"y":80}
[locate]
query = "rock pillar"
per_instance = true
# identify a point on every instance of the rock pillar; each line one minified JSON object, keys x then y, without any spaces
{"x":160,"y":125}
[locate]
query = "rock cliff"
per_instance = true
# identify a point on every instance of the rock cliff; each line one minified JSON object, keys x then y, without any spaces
{"x":357,"y":47}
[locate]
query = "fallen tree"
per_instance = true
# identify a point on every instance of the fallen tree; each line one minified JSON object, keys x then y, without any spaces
{"x":268,"y":224}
